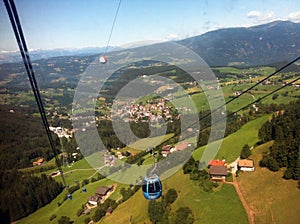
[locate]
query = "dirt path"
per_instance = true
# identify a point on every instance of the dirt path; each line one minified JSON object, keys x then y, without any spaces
{"x":82,"y":169}
{"x":249,"y":211}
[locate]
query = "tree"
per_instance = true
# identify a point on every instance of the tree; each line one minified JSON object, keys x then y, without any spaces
{"x":170,"y":197}
{"x":85,"y":182}
{"x":273,"y":165}
{"x":288,"y":174}
{"x":246,"y":152}
{"x":155,"y":211}
{"x":189,"y":166}
{"x":270,"y":162}
{"x":100,"y":212}
{"x":79,"y":212}
{"x":184,"y":215}
{"x":53,"y":216}
{"x":275,"y":96}
{"x":64,"y":220}
{"x":87,"y":220}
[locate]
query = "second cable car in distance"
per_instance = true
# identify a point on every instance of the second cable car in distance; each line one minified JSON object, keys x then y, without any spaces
{"x":103,"y":59}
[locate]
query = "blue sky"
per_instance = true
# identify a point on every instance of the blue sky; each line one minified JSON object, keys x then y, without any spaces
{"x":49,"y":24}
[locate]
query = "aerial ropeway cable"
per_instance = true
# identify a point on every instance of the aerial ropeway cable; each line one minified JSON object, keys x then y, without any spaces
{"x":17,"y":28}
{"x":258,"y":100}
{"x":103,"y":58}
{"x":250,"y":88}
{"x":151,"y":184}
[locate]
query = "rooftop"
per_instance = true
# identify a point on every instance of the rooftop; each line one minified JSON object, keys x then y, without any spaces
{"x":218,"y":170}
{"x":216,"y":162}
{"x":102,"y":190}
{"x":246,"y":163}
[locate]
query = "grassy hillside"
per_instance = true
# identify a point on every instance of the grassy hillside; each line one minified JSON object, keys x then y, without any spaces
{"x":214,"y":207}
{"x":273,"y":199}
{"x":69,"y":207}
{"x":232,"y":145}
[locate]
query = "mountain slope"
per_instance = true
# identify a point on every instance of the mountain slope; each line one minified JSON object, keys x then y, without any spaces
{"x":273,"y":42}
{"x":257,"y":45}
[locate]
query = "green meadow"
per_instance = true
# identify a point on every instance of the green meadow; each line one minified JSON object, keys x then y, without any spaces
{"x":213,"y":207}
{"x":273,"y":199}
{"x":70,"y":207}
{"x":232,"y":145}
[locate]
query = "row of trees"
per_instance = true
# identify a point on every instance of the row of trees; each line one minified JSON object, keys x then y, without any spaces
{"x":284,"y":130}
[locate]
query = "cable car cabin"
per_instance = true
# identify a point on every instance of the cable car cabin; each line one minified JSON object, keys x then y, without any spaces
{"x":103,"y":59}
{"x":152,"y":187}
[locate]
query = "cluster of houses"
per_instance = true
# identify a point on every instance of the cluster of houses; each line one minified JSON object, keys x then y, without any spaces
{"x":154,"y":111}
{"x":100,"y":195}
{"x":61,"y":132}
{"x":168,"y":149}
{"x":218,"y":169}
{"x":110,"y":160}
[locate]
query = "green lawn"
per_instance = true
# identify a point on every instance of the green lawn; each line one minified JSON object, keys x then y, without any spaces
{"x":256,"y":70}
{"x":145,"y":143}
{"x":232,"y":145}
{"x":273,"y":199}
{"x":69,"y":207}
{"x":201,"y":102}
{"x":214,"y":207}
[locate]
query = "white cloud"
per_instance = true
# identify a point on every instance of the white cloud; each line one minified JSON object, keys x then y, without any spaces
{"x":172,"y":36}
{"x":294,"y":16}
{"x":259,"y":16}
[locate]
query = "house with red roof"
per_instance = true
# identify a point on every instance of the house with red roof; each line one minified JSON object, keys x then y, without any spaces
{"x":216,"y":162}
{"x":182,"y":146}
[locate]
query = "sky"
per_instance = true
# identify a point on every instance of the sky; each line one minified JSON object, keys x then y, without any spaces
{"x":53,"y":24}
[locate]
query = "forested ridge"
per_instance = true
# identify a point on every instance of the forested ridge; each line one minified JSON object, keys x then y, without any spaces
{"x":22,"y":138}
{"x":22,"y":194}
{"x":284,"y":130}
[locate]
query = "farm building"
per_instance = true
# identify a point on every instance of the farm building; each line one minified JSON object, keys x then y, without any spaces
{"x":94,"y":199}
{"x":38,"y":162}
{"x":216,"y":162}
{"x":102,"y":191}
{"x":166,"y":150}
{"x":100,"y":195}
{"x":182,"y":146}
{"x":246,"y":165}
{"x":218,"y":173}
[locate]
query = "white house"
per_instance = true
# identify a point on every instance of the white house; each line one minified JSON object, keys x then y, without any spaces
{"x":246,"y":165}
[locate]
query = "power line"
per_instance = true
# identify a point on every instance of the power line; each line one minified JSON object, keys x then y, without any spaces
{"x":17,"y":28}
{"x":269,"y":94}
{"x":258,"y":100}
{"x":247,"y":90}
{"x":113,"y":26}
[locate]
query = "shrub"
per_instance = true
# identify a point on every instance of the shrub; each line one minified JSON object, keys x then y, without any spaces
{"x":64,"y":220}
{"x":52,"y":217}
{"x":79,"y":212}
{"x":87,"y":220}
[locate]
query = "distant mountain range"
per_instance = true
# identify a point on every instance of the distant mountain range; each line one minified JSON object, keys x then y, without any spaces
{"x":257,"y":45}
{"x":7,"y":57}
